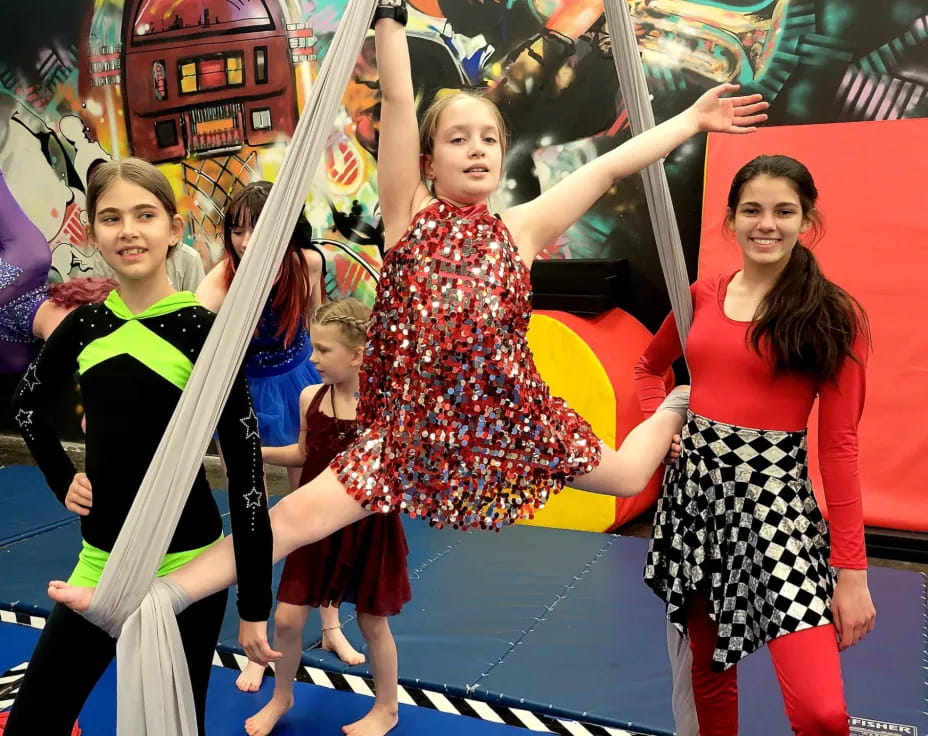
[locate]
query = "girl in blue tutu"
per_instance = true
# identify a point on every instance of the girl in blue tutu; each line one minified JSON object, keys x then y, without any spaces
{"x":277,"y":363}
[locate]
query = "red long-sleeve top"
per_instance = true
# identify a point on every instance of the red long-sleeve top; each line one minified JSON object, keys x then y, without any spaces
{"x":731,"y":383}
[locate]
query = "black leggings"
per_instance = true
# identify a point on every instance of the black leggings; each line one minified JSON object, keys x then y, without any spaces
{"x":72,"y":654}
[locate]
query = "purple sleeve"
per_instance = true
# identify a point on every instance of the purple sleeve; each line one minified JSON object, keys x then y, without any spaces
{"x":24,"y":253}
{"x":24,"y":262}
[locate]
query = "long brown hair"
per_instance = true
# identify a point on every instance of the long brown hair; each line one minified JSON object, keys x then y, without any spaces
{"x":292,"y":289}
{"x":806,"y":322}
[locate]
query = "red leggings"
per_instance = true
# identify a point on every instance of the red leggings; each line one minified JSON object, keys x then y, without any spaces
{"x":807,"y":666}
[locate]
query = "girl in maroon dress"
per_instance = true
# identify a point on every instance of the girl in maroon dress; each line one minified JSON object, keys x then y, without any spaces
{"x":455,"y":424}
{"x":364,"y":563}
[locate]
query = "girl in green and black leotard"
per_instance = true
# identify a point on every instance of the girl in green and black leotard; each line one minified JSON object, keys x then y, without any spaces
{"x":134,"y":354}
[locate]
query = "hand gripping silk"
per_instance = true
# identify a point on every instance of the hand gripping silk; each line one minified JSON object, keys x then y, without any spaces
{"x":155,"y":697}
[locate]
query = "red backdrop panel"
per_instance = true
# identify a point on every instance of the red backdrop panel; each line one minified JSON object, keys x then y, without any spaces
{"x":873,"y":193}
{"x":618,"y":339}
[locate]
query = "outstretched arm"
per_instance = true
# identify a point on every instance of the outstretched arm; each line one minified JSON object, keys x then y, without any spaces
{"x":537,"y":224}
{"x":399,"y":180}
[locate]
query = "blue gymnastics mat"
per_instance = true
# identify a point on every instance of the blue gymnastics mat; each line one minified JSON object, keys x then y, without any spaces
{"x":317,"y":710}
{"x":27,"y":506}
{"x":559,"y":623}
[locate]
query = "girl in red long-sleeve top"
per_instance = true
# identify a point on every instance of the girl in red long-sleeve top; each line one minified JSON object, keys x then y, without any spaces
{"x":739,"y":551}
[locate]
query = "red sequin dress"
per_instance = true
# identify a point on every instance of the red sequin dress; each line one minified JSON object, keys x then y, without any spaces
{"x":456,"y":424}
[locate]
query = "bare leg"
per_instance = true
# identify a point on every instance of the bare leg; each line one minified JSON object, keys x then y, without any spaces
{"x":627,"y":470}
{"x":322,"y":506}
{"x":334,"y":639}
{"x":385,"y":668}
{"x":312,"y":512}
{"x":289,"y":621}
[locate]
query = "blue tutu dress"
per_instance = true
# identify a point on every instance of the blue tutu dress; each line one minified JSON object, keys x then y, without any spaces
{"x":276,"y":374}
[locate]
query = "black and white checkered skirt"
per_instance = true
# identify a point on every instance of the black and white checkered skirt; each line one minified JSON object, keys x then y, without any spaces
{"x":737,"y":522}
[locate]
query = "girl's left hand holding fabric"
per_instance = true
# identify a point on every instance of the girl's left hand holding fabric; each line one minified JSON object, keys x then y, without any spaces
{"x":674,"y":452}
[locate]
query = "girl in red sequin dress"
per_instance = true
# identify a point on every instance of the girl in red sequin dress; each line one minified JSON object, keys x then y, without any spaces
{"x":364,"y":563}
{"x":456,"y":425}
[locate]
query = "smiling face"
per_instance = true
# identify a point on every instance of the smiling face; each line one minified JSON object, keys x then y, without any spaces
{"x":465,"y":162}
{"x":133,"y":230}
{"x":768,"y":220}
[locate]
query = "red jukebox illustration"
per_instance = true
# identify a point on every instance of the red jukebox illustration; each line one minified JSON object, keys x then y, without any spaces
{"x":205,"y":77}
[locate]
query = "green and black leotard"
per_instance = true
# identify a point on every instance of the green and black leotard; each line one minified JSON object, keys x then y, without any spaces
{"x":132,"y":370}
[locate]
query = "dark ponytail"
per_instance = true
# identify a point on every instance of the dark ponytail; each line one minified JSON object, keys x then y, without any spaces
{"x":805,"y":322}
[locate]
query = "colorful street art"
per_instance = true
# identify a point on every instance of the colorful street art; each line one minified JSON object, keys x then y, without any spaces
{"x":211,"y":91}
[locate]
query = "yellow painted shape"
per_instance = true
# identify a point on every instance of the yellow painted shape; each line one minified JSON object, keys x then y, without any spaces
{"x":215,"y":126}
{"x":188,"y":77}
{"x":573,"y":371}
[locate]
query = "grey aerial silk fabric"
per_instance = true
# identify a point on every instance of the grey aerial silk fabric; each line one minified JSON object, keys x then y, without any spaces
{"x":637,"y":99}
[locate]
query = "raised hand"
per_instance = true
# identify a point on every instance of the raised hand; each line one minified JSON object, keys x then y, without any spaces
{"x":728,"y":114}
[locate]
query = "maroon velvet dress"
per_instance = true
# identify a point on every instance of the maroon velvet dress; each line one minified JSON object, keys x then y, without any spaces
{"x":364,"y":563}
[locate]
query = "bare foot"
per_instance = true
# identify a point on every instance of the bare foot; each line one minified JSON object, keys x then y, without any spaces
{"x":334,"y":640}
{"x":263,"y":722}
{"x":250,"y":679}
{"x":378,"y":722}
{"x":75,"y":598}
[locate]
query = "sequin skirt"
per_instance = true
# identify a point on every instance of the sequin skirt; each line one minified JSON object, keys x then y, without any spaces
{"x":737,"y":522}
{"x":486,"y":482}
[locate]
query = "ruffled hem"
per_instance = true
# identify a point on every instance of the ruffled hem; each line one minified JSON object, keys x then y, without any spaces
{"x":277,"y":403}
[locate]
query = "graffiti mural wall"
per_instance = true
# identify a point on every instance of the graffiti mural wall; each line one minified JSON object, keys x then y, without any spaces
{"x":211,"y":90}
